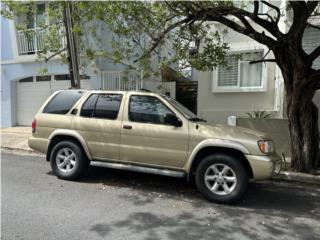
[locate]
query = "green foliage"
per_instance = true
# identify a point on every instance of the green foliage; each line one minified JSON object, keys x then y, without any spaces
{"x":136,"y":26}
{"x":142,"y":31}
{"x":259,"y":114}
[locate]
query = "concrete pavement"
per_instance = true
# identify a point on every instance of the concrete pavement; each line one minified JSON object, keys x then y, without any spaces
{"x":15,"y":138}
{"x":111,"y":204}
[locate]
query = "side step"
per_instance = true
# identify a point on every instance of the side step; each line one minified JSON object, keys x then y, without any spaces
{"x":130,"y":167}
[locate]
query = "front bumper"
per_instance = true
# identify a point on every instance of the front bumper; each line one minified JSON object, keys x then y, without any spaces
{"x":264,"y":166}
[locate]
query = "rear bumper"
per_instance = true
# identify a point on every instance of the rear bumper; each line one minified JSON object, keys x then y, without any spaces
{"x":264,"y":167}
{"x":38,"y":144}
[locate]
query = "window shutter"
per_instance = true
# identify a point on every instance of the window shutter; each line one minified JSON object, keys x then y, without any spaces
{"x":228,"y":76}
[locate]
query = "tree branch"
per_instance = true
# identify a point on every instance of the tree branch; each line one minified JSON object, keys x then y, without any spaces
{"x":259,"y":37}
{"x":275,"y":8}
{"x":311,"y":6}
{"x":314,"y":54}
{"x":158,"y":39}
{"x":313,"y":26}
{"x":300,"y":17}
{"x":262,"y":60}
{"x":256,"y":8}
{"x":53,"y":55}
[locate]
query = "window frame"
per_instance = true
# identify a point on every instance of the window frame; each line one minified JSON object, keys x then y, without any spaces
{"x":238,"y":88}
{"x":138,"y":95}
{"x":95,"y":104}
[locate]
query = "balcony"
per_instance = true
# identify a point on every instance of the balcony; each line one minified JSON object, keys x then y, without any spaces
{"x":31,"y":41}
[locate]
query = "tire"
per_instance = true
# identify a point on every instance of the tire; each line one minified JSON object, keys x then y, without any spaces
{"x":214,"y":187}
{"x":72,"y":167}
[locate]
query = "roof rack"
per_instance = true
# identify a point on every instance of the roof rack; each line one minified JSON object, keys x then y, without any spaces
{"x":144,"y":90}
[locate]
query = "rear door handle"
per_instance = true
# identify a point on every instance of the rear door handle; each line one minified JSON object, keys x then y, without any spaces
{"x":127,"y":126}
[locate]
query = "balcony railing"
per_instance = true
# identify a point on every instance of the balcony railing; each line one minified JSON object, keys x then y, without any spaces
{"x":121,"y":80}
{"x":32,"y":41}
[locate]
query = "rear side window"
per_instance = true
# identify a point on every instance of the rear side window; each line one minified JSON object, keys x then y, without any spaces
{"x":107,"y":106}
{"x":62,"y":102}
{"x":88,"y":106}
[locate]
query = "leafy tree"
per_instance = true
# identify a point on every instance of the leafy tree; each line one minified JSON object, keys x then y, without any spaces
{"x":181,"y":33}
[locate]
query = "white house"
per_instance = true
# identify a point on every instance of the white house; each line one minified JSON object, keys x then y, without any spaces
{"x":245,"y":87}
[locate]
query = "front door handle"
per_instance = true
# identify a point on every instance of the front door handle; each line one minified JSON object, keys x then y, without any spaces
{"x":127,"y":126}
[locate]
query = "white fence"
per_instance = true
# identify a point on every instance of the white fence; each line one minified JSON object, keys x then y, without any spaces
{"x":31,"y":41}
{"x":121,"y":80}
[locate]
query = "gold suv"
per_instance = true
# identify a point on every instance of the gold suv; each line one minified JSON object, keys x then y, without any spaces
{"x":148,"y":132}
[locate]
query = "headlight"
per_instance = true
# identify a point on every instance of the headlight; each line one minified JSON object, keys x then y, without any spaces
{"x":266,"y":146}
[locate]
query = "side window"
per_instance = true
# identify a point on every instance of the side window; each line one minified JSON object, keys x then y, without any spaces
{"x":107,"y":106}
{"x":88,"y":106}
{"x":148,"y":109}
{"x":63,"y":102}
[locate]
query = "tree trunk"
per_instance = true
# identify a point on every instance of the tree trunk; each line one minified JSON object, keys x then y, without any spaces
{"x":303,"y":127}
{"x":71,"y":74}
{"x":71,"y":49}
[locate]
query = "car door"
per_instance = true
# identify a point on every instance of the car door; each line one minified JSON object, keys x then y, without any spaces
{"x":146,"y":137}
{"x":99,"y":122}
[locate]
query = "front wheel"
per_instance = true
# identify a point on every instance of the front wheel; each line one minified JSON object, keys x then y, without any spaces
{"x":221,"y":178}
{"x":68,"y":160}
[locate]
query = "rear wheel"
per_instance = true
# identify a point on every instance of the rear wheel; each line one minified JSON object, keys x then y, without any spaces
{"x":68,"y":160}
{"x":221,"y":178}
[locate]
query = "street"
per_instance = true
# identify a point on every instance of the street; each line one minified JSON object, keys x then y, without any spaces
{"x":113,"y":204}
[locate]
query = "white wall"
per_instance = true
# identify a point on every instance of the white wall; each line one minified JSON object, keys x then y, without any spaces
{"x":216,"y":107}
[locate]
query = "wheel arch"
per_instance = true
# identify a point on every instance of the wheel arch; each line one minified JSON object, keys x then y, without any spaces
{"x":60,"y":135}
{"x":206,"y":150}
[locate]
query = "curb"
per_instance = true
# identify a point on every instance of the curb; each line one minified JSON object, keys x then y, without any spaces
{"x":20,"y":150}
{"x":297,"y":177}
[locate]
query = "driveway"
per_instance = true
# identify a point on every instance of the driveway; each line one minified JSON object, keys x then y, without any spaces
{"x":111,"y":204}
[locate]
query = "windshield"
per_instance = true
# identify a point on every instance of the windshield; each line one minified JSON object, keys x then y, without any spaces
{"x":182,"y":109}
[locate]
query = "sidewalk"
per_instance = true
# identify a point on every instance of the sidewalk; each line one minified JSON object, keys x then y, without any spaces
{"x":16,"y":138}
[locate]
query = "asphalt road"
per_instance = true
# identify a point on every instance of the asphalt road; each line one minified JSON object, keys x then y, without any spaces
{"x":111,"y":204}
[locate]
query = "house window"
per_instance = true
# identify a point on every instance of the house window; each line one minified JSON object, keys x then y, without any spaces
{"x":43,"y":78}
{"x":28,"y":79}
{"x":239,"y":74}
{"x":61,"y":77}
{"x":36,"y":17}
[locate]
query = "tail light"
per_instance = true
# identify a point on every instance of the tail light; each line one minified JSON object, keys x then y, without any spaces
{"x":34,"y":125}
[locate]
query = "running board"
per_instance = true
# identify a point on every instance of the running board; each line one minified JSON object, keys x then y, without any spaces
{"x":130,"y":167}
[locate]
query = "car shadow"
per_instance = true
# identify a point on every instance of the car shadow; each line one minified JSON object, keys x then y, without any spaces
{"x":263,"y":201}
{"x":264,"y":197}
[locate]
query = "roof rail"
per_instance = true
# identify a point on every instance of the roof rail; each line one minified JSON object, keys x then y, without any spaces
{"x":144,"y":90}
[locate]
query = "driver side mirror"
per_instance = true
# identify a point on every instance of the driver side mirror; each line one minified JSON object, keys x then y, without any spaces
{"x":173,"y":120}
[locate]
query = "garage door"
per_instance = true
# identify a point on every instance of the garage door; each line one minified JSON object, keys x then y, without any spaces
{"x":33,"y":91}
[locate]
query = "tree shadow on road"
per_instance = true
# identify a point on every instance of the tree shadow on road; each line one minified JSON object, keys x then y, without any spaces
{"x":267,"y":211}
{"x":265,"y":197}
{"x":187,"y":225}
